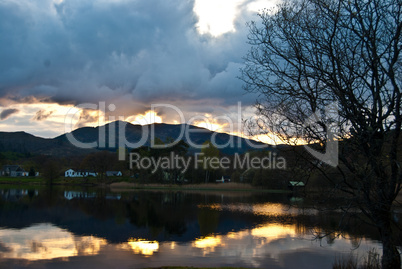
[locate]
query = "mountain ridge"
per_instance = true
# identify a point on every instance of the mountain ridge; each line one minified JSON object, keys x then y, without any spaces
{"x":109,"y":137}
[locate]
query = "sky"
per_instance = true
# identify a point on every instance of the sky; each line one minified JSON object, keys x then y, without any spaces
{"x":143,"y":61}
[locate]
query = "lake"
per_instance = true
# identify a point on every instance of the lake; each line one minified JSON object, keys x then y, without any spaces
{"x":95,"y":228}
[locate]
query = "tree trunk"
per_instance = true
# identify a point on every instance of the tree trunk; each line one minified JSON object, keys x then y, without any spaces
{"x":206,"y":176}
{"x":390,"y":255}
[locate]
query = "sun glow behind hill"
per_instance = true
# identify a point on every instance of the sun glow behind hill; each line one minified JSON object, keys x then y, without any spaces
{"x":52,"y":121}
{"x":148,"y":117}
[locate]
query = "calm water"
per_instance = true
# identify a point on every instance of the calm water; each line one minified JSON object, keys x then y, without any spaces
{"x":96,"y":228}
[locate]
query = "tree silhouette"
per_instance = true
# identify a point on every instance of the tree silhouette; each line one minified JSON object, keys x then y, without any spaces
{"x":209,"y":152}
{"x":309,"y":54}
{"x":51,"y":171}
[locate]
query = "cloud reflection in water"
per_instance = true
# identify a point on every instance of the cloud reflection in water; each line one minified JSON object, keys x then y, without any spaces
{"x":271,"y":245}
{"x":46,"y":241}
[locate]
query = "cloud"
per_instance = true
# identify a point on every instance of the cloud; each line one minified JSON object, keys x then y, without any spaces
{"x":129,"y":53}
{"x":87,"y":118}
{"x":6,"y":113}
{"x":42,"y":115}
{"x":88,"y":51}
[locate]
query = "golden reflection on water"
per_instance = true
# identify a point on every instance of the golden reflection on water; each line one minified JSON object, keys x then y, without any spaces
{"x":45,"y":241}
{"x":208,"y":244}
{"x":274,"y":231}
{"x":265,"y":209}
{"x":143,"y":247}
{"x":282,"y":209}
{"x":260,"y":236}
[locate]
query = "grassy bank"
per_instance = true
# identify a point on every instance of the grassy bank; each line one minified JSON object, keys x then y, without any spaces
{"x":122,"y":186}
{"x":21,"y":180}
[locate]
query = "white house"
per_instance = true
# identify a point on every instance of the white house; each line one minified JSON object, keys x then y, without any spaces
{"x":70,"y":173}
{"x":13,"y":171}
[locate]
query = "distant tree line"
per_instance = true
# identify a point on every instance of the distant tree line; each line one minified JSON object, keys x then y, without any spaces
{"x":52,"y":167}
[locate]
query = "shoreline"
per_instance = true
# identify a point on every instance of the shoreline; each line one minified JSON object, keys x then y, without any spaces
{"x":233,"y":187}
{"x":123,"y":186}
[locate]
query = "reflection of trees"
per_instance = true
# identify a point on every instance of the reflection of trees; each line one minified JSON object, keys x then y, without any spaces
{"x":300,"y":228}
{"x":159,"y":212}
{"x":165,"y":215}
{"x":208,"y":220}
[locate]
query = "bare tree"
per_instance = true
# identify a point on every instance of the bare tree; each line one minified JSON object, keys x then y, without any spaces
{"x":100,"y":162}
{"x":209,"y":152}
{"x":51,"y":171}
{"x":307,"y":54}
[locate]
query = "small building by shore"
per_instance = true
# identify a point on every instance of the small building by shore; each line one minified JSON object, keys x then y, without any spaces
{"x":13,"y":171}
{"x":296,"y":185}
{"x":223,"y":179}
{"x":114,"y":174}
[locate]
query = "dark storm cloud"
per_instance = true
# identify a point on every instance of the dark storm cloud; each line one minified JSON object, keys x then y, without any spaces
{"x":6,"y":113}
{"x":89,"y":51}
